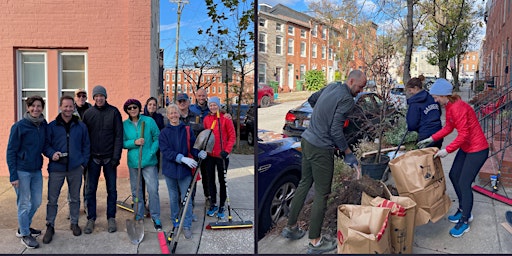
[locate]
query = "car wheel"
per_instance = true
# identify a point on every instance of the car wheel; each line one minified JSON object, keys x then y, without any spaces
{"x":277,"y":203}
{"x":250,"y":138}
{"x":265,"y":101}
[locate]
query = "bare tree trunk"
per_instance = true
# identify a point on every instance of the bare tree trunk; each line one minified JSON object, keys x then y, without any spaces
{"x":410,"y":41}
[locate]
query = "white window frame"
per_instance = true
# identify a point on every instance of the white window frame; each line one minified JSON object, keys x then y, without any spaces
{"x":20,"y":98}
{"x":71,"y":91}
{"x":279,"y":45}
{"x":314,"y":51}
{"x":263,"y":42}
{"x":293,"y":30}
{"x":324,"y":52}
{"x":290,"y":46}
{"x":324,"y":33}
{"x":314,"y":31}
{"x":262,"y":22}
{"x":303,"y":33}
{"x":303,"y":49}
{"x":262,"y":73}
{"x":279,"y":27}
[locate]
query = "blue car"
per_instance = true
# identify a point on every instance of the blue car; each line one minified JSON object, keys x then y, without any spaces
{"x":279,"y":172}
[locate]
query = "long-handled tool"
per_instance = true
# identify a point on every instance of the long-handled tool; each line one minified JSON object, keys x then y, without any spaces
{"x":204,"y":141}
{"x":135,"y":228}
{"x":385,"y":174}
{"x":230,"y":223}
{"x":495,"y":179}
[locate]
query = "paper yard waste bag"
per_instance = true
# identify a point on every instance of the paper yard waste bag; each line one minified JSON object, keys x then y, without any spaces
{"x":416,"y":169}
{"x":402,"y":220}
{"x":363,"y":229}
{"x":432,"y":202}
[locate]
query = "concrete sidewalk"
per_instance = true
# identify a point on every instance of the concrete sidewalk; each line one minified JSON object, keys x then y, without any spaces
{"x":226,"y":241}
{"x":487,"y":236}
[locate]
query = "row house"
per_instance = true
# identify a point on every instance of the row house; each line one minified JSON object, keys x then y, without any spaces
{"x":51,"y":48}
{"x":468,"y":65}
{"x":496,"y":48}
{"x":211,"y":80}
{"x":291,"y":43}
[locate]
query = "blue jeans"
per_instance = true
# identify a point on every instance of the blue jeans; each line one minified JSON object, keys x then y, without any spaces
{"x":175,"y":186}
{"x":55,"y":182}
{"x":29,"y":195}
{"x":93,"y":176}
{"x":150,"y":174}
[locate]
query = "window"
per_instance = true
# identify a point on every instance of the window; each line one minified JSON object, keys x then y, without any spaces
{"x":474,"y":57}
{"x":324,"y":33}
{"x":32,"y":76}
{"x":302,"y":72}
{"x":185,"y":89}
{"x":348,"y":33}
{"x":290,"y":30}
{"x":467,"y":57}
{"x":303,"y":49}
{"x":303,"y":33}
{"x":179,"y":77}
{"x":167,"y":88}
{"x":167,"y":77}
{"x":262,"y":72}
{"x":279,"y":27}
{"x":472,"y":66}
{"x":208,"y":90}
{"x":353,"y":36}
{"x":179,"y":88}
{"x":314,"y":31}
{"x":72,"y":72}
{"x":213,"y":89}
{"x":330,"y":53}
{"x":279,"y":45}
{"x":262,"y":42}
{"x":467,"y":66}
{"x":313,"y":51}
{"x":174,"y":77}
{"x":290,"y":46}
{"x":262,"y":22}
{"x":323,"y":52}
{"x":219,"y":90}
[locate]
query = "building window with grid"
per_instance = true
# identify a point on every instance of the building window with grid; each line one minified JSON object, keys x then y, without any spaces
{"x":262,"y":73}
{"x":262,"y":46}
{"x":279,"y":27}
{"x":262,"y":22}
{"x":167,"y":77}
{"x":314,"y":30}
{"x":32,"y":78}
{"x":303,"y":49}
{"x":290,"y":46}
{"x":302,"y":72}
{"x":323,"y":52}
{"x":72,"y":72}
{"x":314,"y":50}
{"x":330,"y":53}
{"x":279,"y":45}
{"x":303,"y":33}
{"x":290,"y":30}
{"x":324,"y":33}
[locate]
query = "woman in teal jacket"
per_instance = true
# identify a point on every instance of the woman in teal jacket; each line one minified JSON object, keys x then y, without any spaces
{"x":149,"y":142}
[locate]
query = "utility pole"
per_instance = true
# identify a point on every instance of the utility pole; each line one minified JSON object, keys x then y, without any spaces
{"x":181,"y":4}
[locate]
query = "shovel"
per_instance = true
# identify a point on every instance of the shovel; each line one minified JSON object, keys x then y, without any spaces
{"x":135,"y":228}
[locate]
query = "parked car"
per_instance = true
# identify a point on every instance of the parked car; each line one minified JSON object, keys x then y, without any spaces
{"x":366,"y":113}
{"x":246,"y":121}
{"x":397,"y":96}
{"x":279,"y":172}
{"x":265,"y":95}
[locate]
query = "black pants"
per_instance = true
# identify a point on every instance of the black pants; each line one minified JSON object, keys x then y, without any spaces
{"x":213,"y":163}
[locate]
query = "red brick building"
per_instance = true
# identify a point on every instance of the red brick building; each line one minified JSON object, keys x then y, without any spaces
{"x":51,"y":48}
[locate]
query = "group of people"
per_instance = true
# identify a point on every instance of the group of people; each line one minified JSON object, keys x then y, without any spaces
{"x":331,"y":106}
{"x":85,"y":139}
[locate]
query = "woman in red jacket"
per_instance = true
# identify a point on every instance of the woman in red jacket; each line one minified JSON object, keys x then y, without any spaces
{"x":224,"y":132}
{"x":472,"y":145}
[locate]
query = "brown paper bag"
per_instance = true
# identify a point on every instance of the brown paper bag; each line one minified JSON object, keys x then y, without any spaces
{"x":363,"y":229}
{"x":401,"y":224}
{"x":416,"y":169}
{"x":432,"y":202}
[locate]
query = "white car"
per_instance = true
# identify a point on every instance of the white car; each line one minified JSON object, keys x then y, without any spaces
{"x":397,"y":96}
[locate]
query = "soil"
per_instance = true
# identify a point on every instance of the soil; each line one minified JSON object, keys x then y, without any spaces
{"x":349,"y":192}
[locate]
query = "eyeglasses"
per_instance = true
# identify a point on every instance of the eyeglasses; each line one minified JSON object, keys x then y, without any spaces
{"x":132,"y":107}
{"x":181,"y":101}
{"x":81,"y":96}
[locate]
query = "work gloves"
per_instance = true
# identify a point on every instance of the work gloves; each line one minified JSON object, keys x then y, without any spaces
{"x":114,"y":163}
{"x":202,"y":154}
{"x":441,"y":153}
{"x":224,"y":154}
{"x":189,"y":162}
{"x":351,"y":160}
{"x":425,"y":142}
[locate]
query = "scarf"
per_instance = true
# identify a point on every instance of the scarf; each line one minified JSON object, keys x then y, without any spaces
{"x":35,"y":120}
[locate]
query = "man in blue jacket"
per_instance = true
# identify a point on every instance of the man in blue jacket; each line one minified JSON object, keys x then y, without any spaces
{"x":68,"y":151}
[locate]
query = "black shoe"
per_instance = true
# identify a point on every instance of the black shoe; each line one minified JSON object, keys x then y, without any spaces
{"x":76,"y":229}
{"x":30,"y":242}
{"x":34,"y":232}
{"x":48,"y":235}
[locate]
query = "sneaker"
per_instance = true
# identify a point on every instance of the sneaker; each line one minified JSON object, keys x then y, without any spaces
{"x":30,"y":242}
{"x":325,"y":245}
{"x":459,"y":229}
{"x":77,"y":231}
{"x":213,"y":209}
{"x":187,"y":233}
{"x":89,"y":227}
{"x":293,"y":233}
{"x":456,"y":217}
{"x":33,"y":232}
{"x":112,"y":227}
{"x":157,"y":224}
{"x":220,"y":213}
{"x":48,"y":235}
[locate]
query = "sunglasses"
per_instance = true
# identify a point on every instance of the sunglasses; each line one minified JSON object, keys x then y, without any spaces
{"x":82,"y":96}
{"x":132,"y":107}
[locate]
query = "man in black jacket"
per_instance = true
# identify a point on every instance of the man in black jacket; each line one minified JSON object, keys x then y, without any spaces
{"x":105,"y":127}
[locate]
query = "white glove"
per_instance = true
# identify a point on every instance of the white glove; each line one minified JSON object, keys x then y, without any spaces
{"x":202,"y":154}
{"x":189,"y":162}
{"x":441,"y":153}
{"x":425,"y":142}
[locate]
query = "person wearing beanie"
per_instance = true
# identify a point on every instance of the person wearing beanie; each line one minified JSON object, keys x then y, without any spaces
{"x":225,"y":137}
{"x":472,"y":147}
{"x":105,"y":127}
{"x":133,"y":140}
{"x":423,"y":114}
